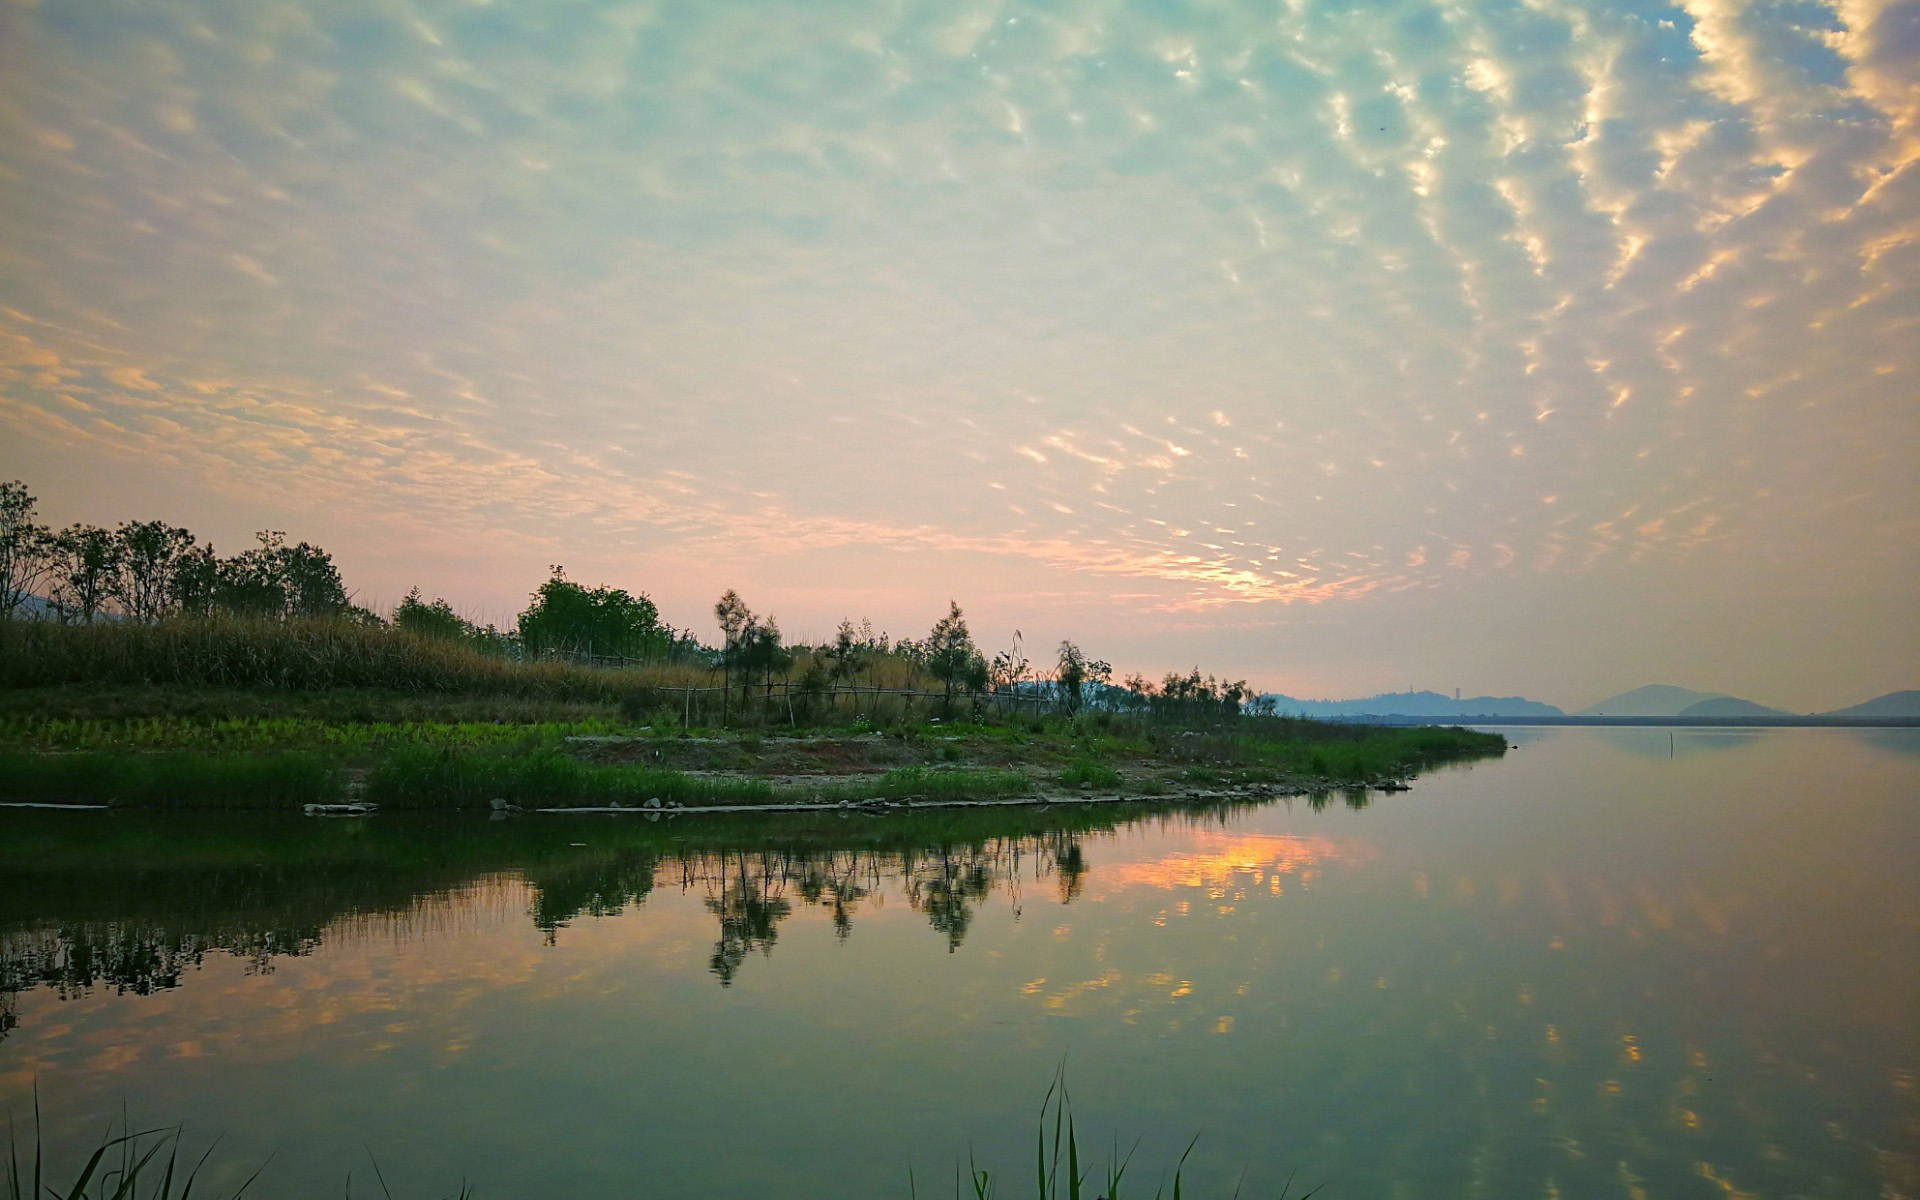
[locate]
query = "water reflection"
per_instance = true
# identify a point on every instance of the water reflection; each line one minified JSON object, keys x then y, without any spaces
{"x":1676,"y":743}
{"x":1904,"y":741}
{"x":141,"y":909}
{"x":1585,"y":972}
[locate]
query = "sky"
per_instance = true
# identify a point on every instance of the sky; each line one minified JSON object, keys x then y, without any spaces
{"x":1531,"y":348}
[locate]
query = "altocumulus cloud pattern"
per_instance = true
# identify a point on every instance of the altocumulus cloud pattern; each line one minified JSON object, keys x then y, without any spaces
{"x":1224,"y":303}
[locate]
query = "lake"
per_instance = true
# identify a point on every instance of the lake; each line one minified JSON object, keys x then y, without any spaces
{"x":1609,"y":964}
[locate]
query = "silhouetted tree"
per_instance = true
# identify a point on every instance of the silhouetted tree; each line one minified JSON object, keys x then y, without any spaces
{"x":151,"y":553}
{"x":952,"y":657}
{"x":86,"y":559}
{"x":1074,"y":674}
{"x":758,"y":648}
{"x":439,"y":622}
{"x":734,"y":617}
{"x":24,"y":545}
{"x":566,"y":617}
{"x":194,"y":586}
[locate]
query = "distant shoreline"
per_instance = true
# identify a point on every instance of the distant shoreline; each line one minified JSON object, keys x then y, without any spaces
{"x":1648,"y":722}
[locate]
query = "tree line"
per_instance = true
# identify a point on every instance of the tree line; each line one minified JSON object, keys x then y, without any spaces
{"x":150,"y":571}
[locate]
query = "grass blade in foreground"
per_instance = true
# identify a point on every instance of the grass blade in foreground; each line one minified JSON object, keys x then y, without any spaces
{"x":1049,"y":1181}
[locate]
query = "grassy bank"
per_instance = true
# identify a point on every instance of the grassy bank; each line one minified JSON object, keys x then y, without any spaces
{"x":178,"y":763}
{"x":231,"y":713}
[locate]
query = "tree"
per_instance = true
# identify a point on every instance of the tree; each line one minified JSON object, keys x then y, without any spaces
{"x":150,"y":554}
{"x":952,"y":657}
{"x":437,"y":620}
{"x":1070,"y":675}
{"x":249,"y":583}
{"x":1191,"y":695}
{"x":846,"y":654}
{"x":1009,"y":668}
{"x":86,"y":559}
{"x":734,"y":617}
{"x":1075,"y":673}
{"x":193,"y":588}
{"x":568,"y":618}
{"x":760,"y":649}
{"x":23,"y":548}
{"x":310,"y":582}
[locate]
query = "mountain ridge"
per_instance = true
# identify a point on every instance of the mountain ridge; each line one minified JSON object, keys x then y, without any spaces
{"x":1893,"y":704}
{"x":1413,"y":704}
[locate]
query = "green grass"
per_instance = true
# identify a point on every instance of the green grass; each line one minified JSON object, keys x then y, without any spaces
{"x":180,"y":779}
{"x":1088,"y":772}
{"x":443,"y":777}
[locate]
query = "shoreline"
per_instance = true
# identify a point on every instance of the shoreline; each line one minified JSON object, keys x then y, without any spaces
{"x":342,"y":767}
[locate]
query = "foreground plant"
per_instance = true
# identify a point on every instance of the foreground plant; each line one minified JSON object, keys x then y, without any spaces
{"x":1056,"y":1178}
{"x":133,"y":1165}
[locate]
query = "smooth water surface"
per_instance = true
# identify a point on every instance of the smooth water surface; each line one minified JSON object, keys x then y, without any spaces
{"x":1607,"y":965}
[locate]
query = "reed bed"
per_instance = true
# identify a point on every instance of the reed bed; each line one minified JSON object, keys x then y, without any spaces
{"x":301,"y":656}
{"x":277,"y":733}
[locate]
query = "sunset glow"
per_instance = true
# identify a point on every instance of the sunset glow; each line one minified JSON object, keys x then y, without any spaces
{"x":1551,"y":349}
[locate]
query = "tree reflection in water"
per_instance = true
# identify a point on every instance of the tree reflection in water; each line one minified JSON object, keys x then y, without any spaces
{"x":143,"y":905}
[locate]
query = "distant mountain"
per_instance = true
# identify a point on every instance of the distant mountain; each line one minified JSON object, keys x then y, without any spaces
{"x":33,"y":608}
{"x":1893,"y":704}
{"x":1414,"y":704}
{"x":1654,"y":700}
{"x":1731,"y":706}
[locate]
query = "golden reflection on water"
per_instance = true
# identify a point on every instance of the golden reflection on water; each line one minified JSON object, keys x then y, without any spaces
{"x":1216,"y":862}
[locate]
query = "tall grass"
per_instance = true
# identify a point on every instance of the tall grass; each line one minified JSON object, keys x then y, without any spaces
{"x":310,"y":655}
{"x":173,"y":780}
{"x":275,"y":733}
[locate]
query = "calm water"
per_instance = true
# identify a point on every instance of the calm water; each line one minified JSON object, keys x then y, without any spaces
{"x":1589,"y":969}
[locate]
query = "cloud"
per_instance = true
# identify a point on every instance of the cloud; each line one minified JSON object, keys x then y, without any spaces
{"x":1327,"y":281}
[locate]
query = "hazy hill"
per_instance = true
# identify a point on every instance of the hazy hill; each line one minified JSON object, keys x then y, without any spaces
{"x":1893,"y":704}
{"x":1653,"y":700}
{"x":1415,"y":704}
{"x":1731,"y":706}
